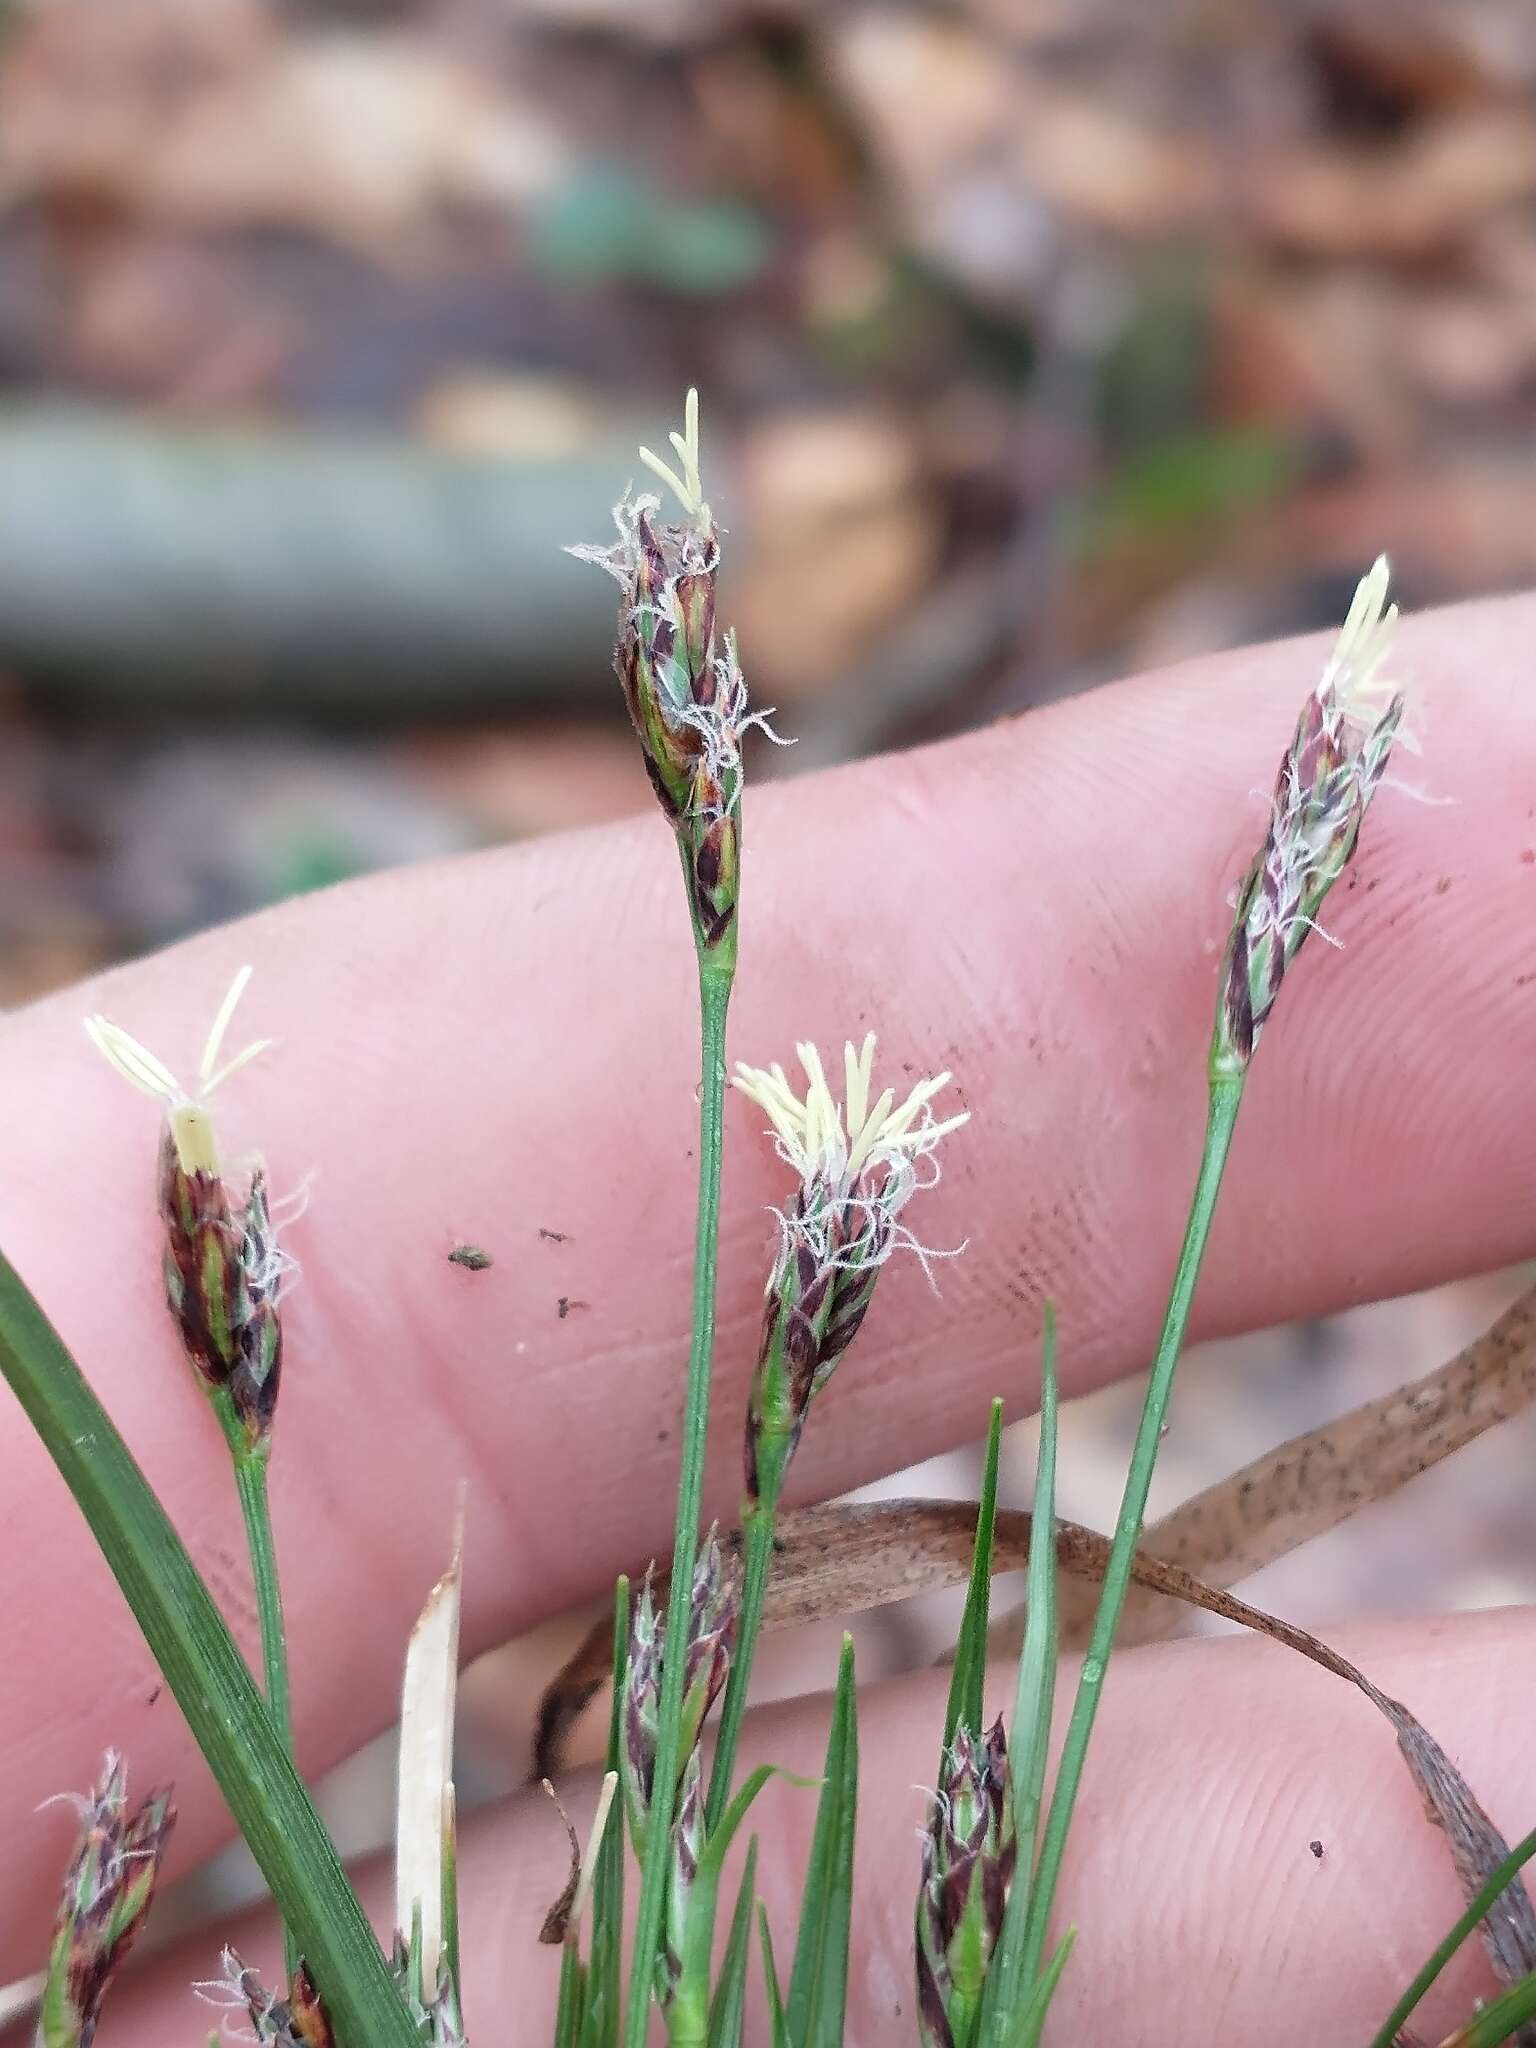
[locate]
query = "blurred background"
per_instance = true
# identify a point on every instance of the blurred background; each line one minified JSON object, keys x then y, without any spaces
{"x":1040,"y":340}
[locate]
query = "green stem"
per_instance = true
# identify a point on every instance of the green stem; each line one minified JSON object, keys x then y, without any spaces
{"x":1497,"y":1883}
{"x":714,"y":1001}
{"x":757,"y":1527}
{"x":1226,"y":1094}
{"x":206,"y":1673}
{"x":251,"y":1481}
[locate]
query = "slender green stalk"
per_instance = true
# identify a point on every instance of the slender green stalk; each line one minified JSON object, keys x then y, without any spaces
{"x":251,"y":1482}
{"x":757,"y":1529}
{"x":714,"y":1000}
{"x":1226,"y":1094}
{"x":1500,"y":1879}
{"x":203,"y":1667}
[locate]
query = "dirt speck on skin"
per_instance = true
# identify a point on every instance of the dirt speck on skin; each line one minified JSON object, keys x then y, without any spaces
{"x":553,"y":1236}
{"x":1442,"y":885}
{"x":1317,"y":1850}
{"x":566,"y":1303}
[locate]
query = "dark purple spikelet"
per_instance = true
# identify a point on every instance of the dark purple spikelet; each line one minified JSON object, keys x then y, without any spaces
{"x":1327,"y":778}
{"x":687,"y":702}
{"x":682,"y":1874}
{"x":298,"y":2021}
{"x":711,"y":1639}
{"x":222,"y":1274}
{"x":682,"y":682}
{"x":838,"y":1242}
{"x":105,"y":1902}
{"x":968,"y":1861}
{"x":223,"y":1269}
{"x":665,"y":653}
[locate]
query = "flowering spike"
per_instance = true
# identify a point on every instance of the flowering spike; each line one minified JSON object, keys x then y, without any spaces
{"x":682,"y":1876}
{"x":968,"y":1859}
{"x":711,"y":1639}
{"x":687,"y":697}
{"x":858,"y":1163}
{"x":298,"y":2021}
{"x":1336,"y":760}
{"x":105,"y":1902}
{"x":223,"y":1267}
{"x":223,"y":1274}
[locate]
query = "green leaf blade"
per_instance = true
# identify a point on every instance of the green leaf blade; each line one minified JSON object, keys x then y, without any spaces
{"x":778,"y":2025}
{"x":818,"y":1984}
{"x":728,"y":2007}
{"x":206,"y":1673}
{"x":605,"y":1986}
{"x":968,"y":1673}
{"x":1478,"y":1907}
{"x":1010,"y":1988}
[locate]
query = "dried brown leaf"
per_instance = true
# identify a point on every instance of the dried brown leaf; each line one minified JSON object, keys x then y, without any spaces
{"x":843,"y":1558}
{"x":1313,"y":1482}
{"x":557,"y":1919}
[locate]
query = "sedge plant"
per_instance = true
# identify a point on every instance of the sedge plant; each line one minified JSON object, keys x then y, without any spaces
{"x":857,"y":1156}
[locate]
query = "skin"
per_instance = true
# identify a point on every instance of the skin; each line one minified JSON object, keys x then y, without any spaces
{"x":485,"y":1048}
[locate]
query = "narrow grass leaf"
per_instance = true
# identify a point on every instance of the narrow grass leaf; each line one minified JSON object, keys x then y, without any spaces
{"x":1016,"y":1957}
{"x":966,"y":1678}
{"x":1036,"y":1690}
{"x":605,"y":1989}
{"x":778,"y":2026}
{"x":1500,"y":2020}
{"x":699,"y":1936}
{"x":206,"y":1673}
{"x":728,"y":2007}
{"x":1031,"y":2021}
{"x":1513,"y":1863}
{"x":569,"y":2011}
{"x":818,"y":1984}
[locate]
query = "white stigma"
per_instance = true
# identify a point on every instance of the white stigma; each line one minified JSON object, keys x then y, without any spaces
{"x":822,"y":1138}
{"x":1363,"y":645}
{"x":191,"y":1123}
{"x":688,"y":487}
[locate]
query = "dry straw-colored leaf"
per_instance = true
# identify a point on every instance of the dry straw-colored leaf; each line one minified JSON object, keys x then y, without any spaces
{"x":425,"y":1810}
